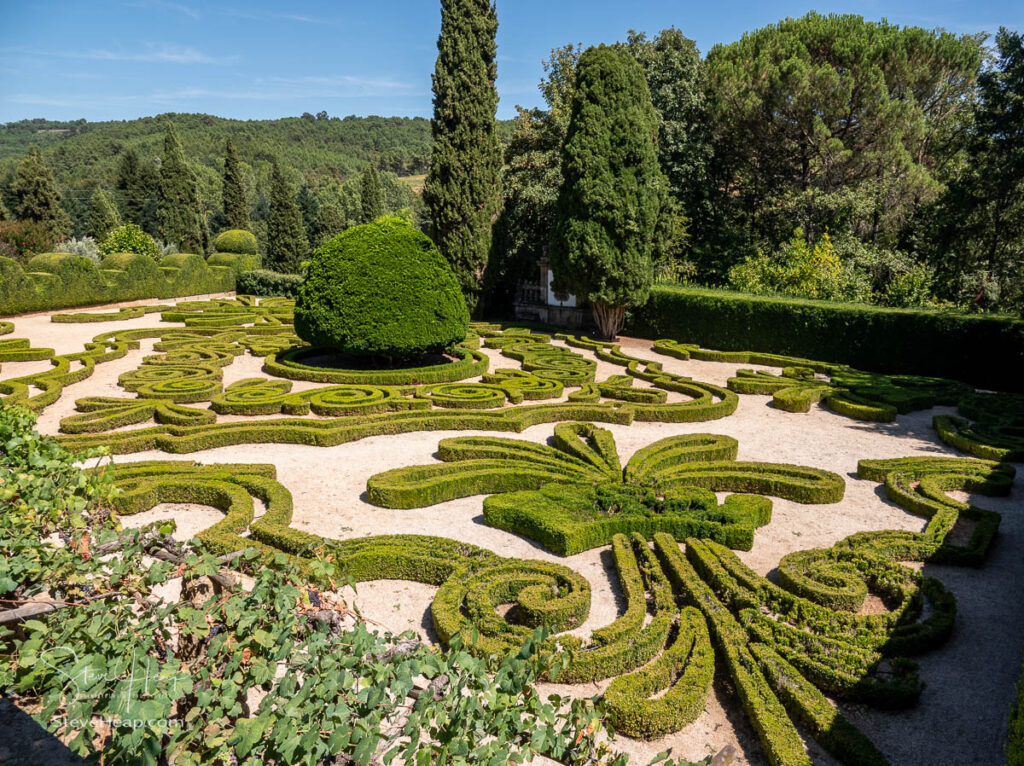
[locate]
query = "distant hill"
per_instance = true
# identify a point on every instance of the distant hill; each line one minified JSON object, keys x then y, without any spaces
{"x":84,"y":154}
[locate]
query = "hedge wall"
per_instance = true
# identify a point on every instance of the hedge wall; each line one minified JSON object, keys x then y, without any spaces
{"x":61,"y":280}
{"x":986,"y":351}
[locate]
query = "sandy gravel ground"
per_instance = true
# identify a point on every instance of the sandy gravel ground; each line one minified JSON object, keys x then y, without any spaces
{"x":962,"y":715}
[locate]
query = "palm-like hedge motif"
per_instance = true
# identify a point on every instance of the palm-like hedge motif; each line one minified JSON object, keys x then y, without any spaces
{"x":574,"y":494}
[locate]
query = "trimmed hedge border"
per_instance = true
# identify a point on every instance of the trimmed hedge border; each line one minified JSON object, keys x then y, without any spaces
{"x":990,"y":350}
{"x":285,"y":364}
{"x":61,"y":280}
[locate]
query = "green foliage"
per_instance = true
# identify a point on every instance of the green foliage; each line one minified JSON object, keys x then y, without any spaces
{"x":287,"y":244}
{"x":904,"y":341}
{"x":677,"y":80}
{"x":138,"y":183}
{"x":991,"y":426}
{"x":975,"y":239}
{"x":371,"y":195}
{"x":129,"y":238}
{"x":815,"y":133}
{"x":36,"y":197}
{"x":799,"y":269}
{"x":236,"y":241}
{"x":26,"y":238}
{"x":381,"y":289}
{"x":236,"y":206}
{"x":103,"y":215}
{"x":463,"y":185}
{"x":263,"y":282}
{"x":613,"y":196}
{"x":180,"y":216}
{"x":69,"y":281}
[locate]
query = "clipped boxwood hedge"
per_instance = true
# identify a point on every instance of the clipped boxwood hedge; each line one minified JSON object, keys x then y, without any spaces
{"x":61,"y":280}
{"x":265,"y":283}
{"x":987,"y":351}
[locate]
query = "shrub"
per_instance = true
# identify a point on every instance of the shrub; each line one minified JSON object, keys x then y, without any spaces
{"x":86,"y":247}
{"x":130,"y":239}
{"x":263,"y":282}
{"x":802,"y":270}
{"x":236,"y":241}
{"x":26,"y":238}
{"x":381,"y":289}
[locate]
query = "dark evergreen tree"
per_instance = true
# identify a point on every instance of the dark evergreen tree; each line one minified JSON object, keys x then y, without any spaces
{"x":371,"y":195}
{"x":236,"y":207}
{"x":179,"y":214}
{"x":138,"y":182}
{"x":463,"y":186}
{"x":287,"y":244}
{"x":103,"y":216}
{"x":613,"y":202}
{"x":309,"y":206}
{"x":36,"y":196}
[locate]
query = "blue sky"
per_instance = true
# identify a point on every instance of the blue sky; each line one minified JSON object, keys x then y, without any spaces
{"x":120,"y":59}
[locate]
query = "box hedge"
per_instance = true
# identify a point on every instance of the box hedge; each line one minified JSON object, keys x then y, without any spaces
{"x":61,"y":280}
{"x":987,"y":351}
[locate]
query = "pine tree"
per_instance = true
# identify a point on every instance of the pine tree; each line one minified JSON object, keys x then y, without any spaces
{"x":613,"y":201}
{"x":371,"y":194}
{"x":236,"y":208}
{"x":103,"y":216}
{"x":36,"y":196}
{"x":179,"y":214}
{"x":287,"y":245}
{"x":463,"y":187}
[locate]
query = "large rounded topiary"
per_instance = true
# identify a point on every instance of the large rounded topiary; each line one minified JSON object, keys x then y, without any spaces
{"x":236,"y":241}
{"x":381,"y":289}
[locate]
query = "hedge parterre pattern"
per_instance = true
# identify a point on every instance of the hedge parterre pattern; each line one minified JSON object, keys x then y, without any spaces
{"x":996,"y":433}
{"x":688,"y":608}
{"x":783,"y":646}
{"x":575,"y":495}
{"x":188,"y":370}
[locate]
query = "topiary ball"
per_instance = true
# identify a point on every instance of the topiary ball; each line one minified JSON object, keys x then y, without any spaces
{"x":381,"y":289}
{"x":236,"y":241}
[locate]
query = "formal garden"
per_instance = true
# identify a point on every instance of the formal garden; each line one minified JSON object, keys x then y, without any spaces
{"x":274,"y":494}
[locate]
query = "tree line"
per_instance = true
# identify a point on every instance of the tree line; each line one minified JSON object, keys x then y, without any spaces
{"x":825,"y":156}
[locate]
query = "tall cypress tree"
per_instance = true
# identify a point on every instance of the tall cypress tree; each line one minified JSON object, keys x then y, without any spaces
{"x":36,"y":196}
{"x":613,"y":202}
{"x":463,"y":186}
{"x":137,"y":182}
{"x":103,"y":216}
{"x":179,"y":214}
{"x":371,"y":195}
{"x":287,"y":244}
{"x":236,"y":208}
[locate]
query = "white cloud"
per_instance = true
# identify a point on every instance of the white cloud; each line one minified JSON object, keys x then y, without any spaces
{"x":164,"y":53}
{"x":192,"y":13}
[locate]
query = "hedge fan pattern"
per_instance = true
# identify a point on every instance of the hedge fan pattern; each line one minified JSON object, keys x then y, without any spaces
{"x":575,"y":495}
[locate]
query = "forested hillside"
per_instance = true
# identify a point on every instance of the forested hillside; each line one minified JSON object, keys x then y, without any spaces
{"x":85,"y":153}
